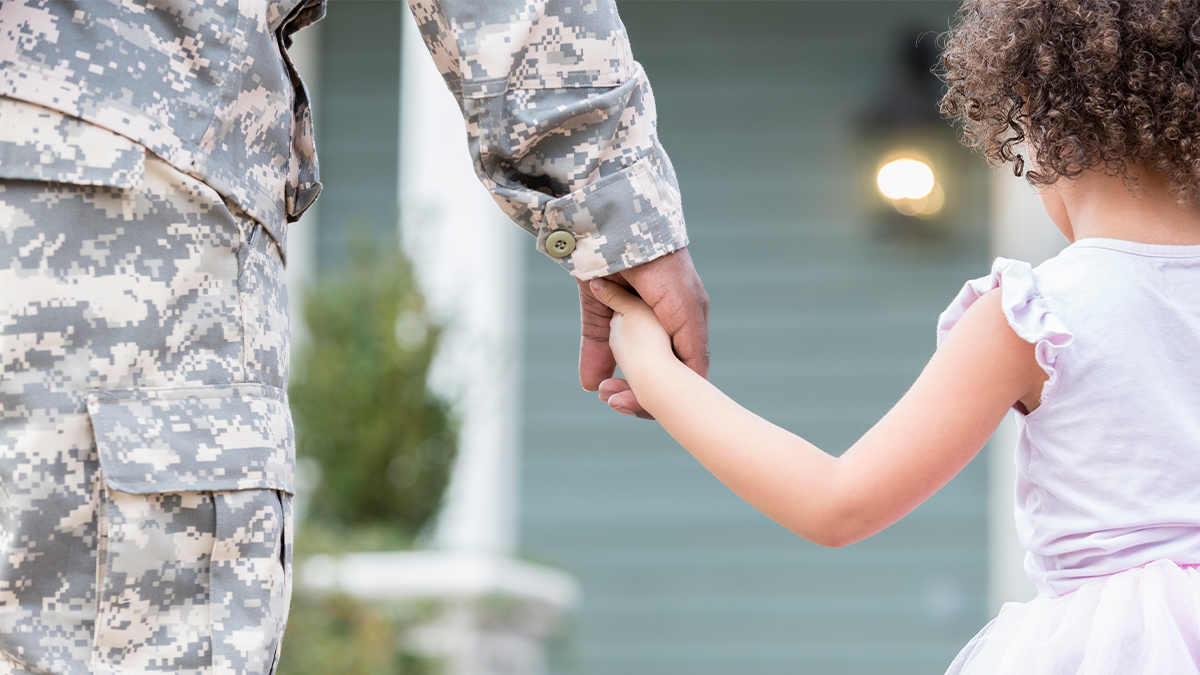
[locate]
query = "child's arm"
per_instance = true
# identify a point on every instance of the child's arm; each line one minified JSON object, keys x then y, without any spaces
{"x":978,"y":373}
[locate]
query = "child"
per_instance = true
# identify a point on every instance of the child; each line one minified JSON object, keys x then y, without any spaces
{"x":1097,"y":349}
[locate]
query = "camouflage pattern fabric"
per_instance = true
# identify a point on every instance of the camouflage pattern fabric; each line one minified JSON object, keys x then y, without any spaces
{"x":204,"y":84}
{"x":146,"y":450}
{"x":560,"y":124}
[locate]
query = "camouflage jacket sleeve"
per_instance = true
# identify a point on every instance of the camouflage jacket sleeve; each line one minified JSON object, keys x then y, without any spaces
{"x":561,"y":126}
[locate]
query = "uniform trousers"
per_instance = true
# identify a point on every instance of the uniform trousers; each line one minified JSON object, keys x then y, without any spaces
{"x":146,"y":449}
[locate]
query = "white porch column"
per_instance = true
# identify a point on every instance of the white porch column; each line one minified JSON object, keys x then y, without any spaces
{"x":467,"y":259}
{"x":1020,"y":229}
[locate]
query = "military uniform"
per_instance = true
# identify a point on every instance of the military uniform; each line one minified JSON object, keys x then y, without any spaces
{"x":151,"y":156}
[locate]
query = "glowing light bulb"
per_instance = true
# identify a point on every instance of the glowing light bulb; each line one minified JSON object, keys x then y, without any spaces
{"x":905,"y":178}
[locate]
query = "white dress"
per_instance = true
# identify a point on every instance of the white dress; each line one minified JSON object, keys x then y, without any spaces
{"x":1108,"y":465}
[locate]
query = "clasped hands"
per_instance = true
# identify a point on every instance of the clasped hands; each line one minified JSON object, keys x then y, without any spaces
{"x":669,"y":288}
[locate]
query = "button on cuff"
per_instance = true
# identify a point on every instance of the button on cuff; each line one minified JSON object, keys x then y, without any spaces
{"x":560,"y":243}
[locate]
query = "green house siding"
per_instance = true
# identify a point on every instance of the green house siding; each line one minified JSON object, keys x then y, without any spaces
{"x":817,"y":323}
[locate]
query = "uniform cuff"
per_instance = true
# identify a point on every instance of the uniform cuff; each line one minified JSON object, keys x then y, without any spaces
{"x":620,"y":221}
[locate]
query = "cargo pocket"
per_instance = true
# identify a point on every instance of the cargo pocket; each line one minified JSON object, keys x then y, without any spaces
{"x":194,"y":569}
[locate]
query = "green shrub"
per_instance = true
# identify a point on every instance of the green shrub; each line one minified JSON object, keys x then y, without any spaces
{"x":385,"y":445}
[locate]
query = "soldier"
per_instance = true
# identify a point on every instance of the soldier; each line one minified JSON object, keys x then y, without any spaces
{"x":151,"y":157}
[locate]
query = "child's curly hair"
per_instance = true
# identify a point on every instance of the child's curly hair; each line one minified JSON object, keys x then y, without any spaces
{"x":1087,"y":84}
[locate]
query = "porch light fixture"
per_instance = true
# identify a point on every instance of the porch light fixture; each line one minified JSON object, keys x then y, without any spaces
{"x":909,"y":162}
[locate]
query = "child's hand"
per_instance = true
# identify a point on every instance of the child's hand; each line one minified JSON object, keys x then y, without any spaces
{"x":637,"y":339}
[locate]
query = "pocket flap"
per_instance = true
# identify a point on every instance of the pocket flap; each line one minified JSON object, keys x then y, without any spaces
{"x":236,"y":437}
{"x":38,"y":143}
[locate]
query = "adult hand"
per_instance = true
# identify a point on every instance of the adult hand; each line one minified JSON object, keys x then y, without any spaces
{"x":672,"y":288}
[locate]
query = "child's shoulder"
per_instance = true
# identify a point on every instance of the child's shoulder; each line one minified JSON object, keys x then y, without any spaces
{"x":1103,"y":266}
{"x":1093,"y":281}
{"x":1098,"y":288}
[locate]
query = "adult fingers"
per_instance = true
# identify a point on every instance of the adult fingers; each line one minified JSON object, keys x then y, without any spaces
{"x":688,"y":326}
{"x":596,"y":362}
{"x":671,"y":286}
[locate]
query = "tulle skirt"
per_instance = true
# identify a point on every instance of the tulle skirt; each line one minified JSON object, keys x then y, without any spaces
{"x":1144,"y":621}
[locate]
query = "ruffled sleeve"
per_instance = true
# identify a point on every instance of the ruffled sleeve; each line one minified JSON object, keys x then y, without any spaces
{"x":1024,"y":307}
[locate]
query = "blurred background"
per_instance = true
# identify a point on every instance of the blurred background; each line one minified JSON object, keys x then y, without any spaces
{"x":469,"y":510}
